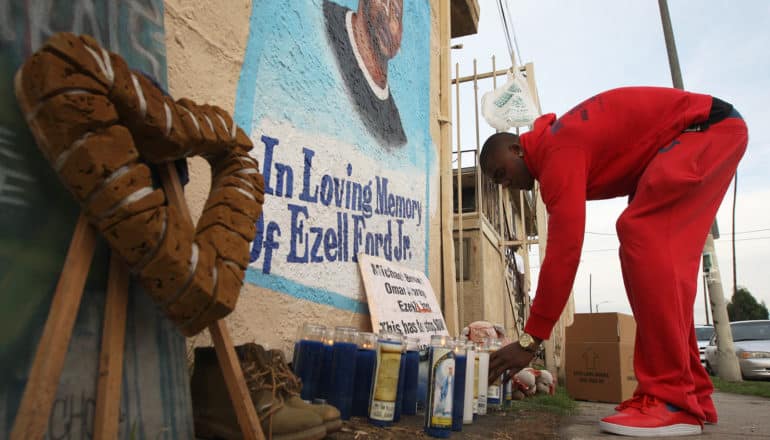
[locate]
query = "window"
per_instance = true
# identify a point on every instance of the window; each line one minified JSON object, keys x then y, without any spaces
{"x":466,"y":259}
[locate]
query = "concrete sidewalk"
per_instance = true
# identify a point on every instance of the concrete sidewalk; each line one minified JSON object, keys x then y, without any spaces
{"x":740,"y":417}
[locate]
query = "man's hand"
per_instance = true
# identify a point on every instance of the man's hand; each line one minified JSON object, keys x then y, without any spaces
{"x":511,"y":357}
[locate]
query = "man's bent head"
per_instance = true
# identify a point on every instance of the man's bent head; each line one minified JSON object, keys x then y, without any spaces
{"x":502,"y":161}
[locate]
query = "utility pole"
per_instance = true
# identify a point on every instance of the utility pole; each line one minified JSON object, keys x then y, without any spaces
{"x":727,"y":361}
{"x":706,"y":298}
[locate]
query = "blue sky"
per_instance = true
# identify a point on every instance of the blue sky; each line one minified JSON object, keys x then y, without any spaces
{"x":580,"y":48}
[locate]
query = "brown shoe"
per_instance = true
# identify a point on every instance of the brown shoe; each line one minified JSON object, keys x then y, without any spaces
{"x":291,"y":385}
{"x":213,"y":411}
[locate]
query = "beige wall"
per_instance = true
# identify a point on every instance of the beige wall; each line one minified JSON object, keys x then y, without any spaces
{"x":495,"y":294}
{"x":472,"y":289}
{"x":485,"y":294}
{"x":206,"y":41}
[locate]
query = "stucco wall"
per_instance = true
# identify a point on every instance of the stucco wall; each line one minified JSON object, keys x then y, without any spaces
{"x":216,"y":52}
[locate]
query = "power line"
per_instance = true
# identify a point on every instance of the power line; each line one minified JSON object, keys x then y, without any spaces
{"x":513,"y":30}
{"x":510,"y":32}
{"x":610,"y":234}
{"x":744,"y":239}
{"x":716,"y":241}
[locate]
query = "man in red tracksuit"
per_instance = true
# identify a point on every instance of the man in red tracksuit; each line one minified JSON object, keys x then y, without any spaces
{"x":673,"y":153}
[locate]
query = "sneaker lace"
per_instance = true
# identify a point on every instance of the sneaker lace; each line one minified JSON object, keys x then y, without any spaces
{"x":638,"y":402}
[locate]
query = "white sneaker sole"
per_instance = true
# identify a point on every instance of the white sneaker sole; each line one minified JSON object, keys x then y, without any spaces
{"x":663,"y":431}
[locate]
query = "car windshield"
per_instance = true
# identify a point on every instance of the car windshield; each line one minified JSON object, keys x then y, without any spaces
{"x":751,"y":331}
{"x":704,"y":333}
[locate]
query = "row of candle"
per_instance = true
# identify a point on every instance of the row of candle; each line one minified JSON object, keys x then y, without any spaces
{"x":341,"y":366}
{"x":363,"y":374}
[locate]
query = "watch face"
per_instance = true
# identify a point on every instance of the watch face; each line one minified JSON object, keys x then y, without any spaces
{"x":526,"y":340}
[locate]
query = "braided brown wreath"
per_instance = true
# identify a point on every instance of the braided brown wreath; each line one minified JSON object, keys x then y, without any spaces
{"x":97,"y":122}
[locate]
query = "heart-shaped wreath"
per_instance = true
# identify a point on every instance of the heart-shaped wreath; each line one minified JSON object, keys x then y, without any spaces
{"x":98,"y":123}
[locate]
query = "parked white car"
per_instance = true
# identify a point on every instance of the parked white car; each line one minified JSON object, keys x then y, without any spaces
{"x":752,"y":346}
{"x":703,"y":334}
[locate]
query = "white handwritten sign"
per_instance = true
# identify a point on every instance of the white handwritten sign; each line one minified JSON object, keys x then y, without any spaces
{"x":401,"y":300}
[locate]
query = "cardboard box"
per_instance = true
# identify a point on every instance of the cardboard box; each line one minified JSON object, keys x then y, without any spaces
{"x":600,"y":357}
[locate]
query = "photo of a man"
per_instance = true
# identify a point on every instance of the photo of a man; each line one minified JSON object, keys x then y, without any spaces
{"x":364,"y":41}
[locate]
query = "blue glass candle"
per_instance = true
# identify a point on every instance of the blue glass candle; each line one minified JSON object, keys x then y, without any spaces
{"x":307,"y":359}
{"x":325,"y":378}
{"x":366,"y":358}
{"x":411,"y":370}
{"x":441,"y":365}
{"x":382,"y":408}
{"x":343,"y":370}
{"x":295,"y":354}
{"x":458,"y":398}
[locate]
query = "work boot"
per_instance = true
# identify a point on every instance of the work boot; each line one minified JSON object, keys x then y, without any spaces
{"x":213,"y":412}
{"x":291,"y":386}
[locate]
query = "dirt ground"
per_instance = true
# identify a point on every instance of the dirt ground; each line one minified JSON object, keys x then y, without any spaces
{"x":502,"y":425}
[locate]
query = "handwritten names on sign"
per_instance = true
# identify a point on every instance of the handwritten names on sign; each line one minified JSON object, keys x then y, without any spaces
{"x":401,"y":300}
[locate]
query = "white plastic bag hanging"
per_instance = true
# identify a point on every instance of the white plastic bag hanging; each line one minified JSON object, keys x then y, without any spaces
{"x":510,"y":105}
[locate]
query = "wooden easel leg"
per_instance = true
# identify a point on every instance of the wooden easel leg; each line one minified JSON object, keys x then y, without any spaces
{"x":236,"y":384}
{"x":223,"y":343}
{"x":39,"y":393}
{"x":106,"y":416}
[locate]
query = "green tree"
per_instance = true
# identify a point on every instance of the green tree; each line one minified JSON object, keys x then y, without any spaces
{"x":743,"y":306}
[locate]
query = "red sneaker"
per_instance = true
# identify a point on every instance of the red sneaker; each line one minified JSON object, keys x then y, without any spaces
{"x":646,"y":416}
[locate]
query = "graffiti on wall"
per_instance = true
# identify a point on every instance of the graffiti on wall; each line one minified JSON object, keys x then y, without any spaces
{"x":335,"y":96}
{"x":37,"y":217}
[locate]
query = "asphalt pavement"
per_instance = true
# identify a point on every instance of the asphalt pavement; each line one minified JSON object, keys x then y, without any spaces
{"x":740,"y":417}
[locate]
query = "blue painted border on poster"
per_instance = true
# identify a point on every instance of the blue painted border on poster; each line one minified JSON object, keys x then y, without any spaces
{"x":300,"y":291}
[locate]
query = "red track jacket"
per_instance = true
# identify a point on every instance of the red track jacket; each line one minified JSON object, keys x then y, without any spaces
{"x":597,"y":150}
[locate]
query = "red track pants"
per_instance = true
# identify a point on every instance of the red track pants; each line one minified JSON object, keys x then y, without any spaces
{"x":662,"y":233}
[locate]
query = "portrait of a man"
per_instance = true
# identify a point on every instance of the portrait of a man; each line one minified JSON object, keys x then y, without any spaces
{"x":364,"y":41}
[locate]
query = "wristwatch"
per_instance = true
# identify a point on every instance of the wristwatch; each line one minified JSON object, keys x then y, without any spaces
{"x":528,"y":343}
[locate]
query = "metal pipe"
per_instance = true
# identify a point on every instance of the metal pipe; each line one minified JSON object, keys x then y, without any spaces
{"x":493,"y":74}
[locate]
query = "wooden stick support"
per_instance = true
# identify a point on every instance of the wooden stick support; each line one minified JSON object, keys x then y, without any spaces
{"x":236,"y":384}
{"x":39,"y":393}
{"x":220,"y":335}
{"x":106,"y":416}
{"x":32,"y":418}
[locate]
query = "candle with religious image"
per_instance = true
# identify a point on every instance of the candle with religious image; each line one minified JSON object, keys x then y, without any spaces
{"x":382,"y":408}
{"x":441,"y":364}
{"x":458,"y":397}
